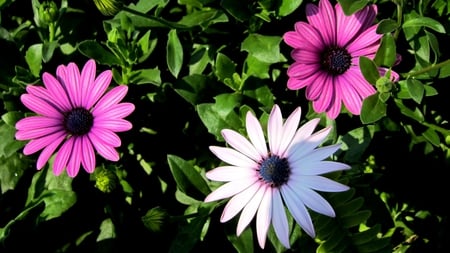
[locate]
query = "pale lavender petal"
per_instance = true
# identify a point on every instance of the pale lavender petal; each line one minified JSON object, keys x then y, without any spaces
{"x":321,"y":152}
{"x":112,"y":97}
{"x":314,"y":201}
{"x":39,"y":143}
{"x":116,"y":111}
{"x":304,"y":131}
{"x":36,"y":133}
{"x":318,"y":183}
{"x":298,"y":210}
{"x":289,"y":130}
{"x":297,"y":152}
{"x":88,"y":159}
{"x":230,"y":189}
{"x":238,"y":202}
{"x":279,"y":218}
{"x":39,"y":106}
{"x":231,"y":173}
{"x":57,"y":92}
{"x":34,"y":122}
{"x":250,"y":209}
{"x":86,"y":80}
{"x":311,"y":168}
{"x":98,"y":88}
{"x":62,"y":157}
{"x":233,"y":157}
{"x":115,"y":125}
{"x":264,"y":216}
{"x":274,"y":129}
{"x":73,"y":166}
{"x":105,"y":150}
{"x":256,"y":134}
{"x":241,"y":144}
{"x":323,"y":18}
{"x":48,"y":151}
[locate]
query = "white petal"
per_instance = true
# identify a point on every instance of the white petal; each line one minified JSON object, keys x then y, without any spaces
{"x":238,"y":201}
{"x":318,"y":183}
{"x":309,"y":167}
{"x":298,"y":210}
{"x":289,"y":130}
{"x":249,"y":210}
{"x":275,"y":129}
{"x":230,"y":173}
{"x":229,"y":189}
{"x":241,"y":144}
{"x":315,"y":201}
{"x":300,"y":149}
{"x":264,"y":216}
{"x":321,"y":153}
{"x":305,"y":130}
{"x":233,"y":157}
{"x":279,"y":218}
{"x":256,"y":134}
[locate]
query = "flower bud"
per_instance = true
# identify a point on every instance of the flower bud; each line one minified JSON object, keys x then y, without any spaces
{"x":48,"y":13}
{"x":105,"y":180}
{"x":154,"y":219}
{"x":109,"y":7}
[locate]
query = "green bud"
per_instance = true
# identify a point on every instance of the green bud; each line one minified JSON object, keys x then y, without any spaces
{"x":48,"y":13}
{"x":105,"y":180}
{"x":384,"y":85}
{"x":109,"y":7}
{"x":447,"y":139}
{"x":154,"y":219}
{"x":113,"y":35}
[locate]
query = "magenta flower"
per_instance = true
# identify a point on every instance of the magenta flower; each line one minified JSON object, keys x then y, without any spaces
{"x":74,"y":114}
{"x":326,"y":53}
{"x":261,"y":182}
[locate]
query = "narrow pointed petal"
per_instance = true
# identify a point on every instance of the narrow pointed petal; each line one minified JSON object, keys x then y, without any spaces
{"x":115,"y":125}
{"x":88,"y":159}
{"x":48,"y":151}
{"x":62,"y":157}
{"x":249,"y":210}
{"x":319,"y":183}
{"x":305,"y":131}
{"x":323,"y":18}
{"x":73,"y":166}
{"x":348,"y":27}
{"x":256,"y":134}
{"x":279,"y":218}
{"x":315,"y":201}
{"x":311,"y":168}
{"x":40,"y":106}
{"x":37,"y":133}
{"x":233,"y":157}
{"x":321,"y":152}
{"x":113,"y":97}
{"x":57,"y":92}
{"x":274,"y":129}
{"x":230,"y":189}
{"x":301,"y":149}
{"x":230,"y":173}
{"x":289,"y":130}
{"x":98,"y":88}
{"x":264,"y":217}
{"x":238,"y":202}
{"x":39,"y":143}
{"x":241,"y":144}
{"x":73,"y":86}
{"x":117,"y":111}
{"x":37,"y":122}
{"x":298,"y":210}
{"x":105,"y":150}
{"x":86,"y":80}
{"x":364,"y":41}
{"x":352,"y":100}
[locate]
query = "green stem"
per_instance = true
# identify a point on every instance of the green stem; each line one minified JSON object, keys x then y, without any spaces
{"x":399,"y":17}
{"x":158,"y":20}
{"x":442,"y":130}
{"x":427,"y":69}
{"x":51,"y":31}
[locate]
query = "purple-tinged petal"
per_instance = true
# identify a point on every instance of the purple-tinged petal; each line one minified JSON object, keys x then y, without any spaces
{"x":256,"y":134}
{"x":321,"y":152}
{"x":73,"y":84}
{"x":238,"y":202}
{"x":351,"y":98}
{"x":250,"y":209}
{"x":241,"y":144}
{"x":316,"y":89}
{"x":298,"y":151}
{"x":289,"y":129}
{"x":56,"y":92}
{"x":107,"y":136}
{"x":279,"y":218}
{"x":39,"y":143}
{"x":230,"y":189}
{"x":73,"y":166}
{"x":264,"y":217}
{"x":304,"y":131}
{"x":305,"y":56}
{"x":62,"y":157}
{"x":48,"y":151}
{"x":105,"y":150}
{"x":292,"y":38}
{"x":356,"y":79}
{"x":312,"y":168}
{"x":98,"y":88}
{"x":298,"y":210}
{"x":365,"y":43}
{"x":37,"y":122}
{"x":116,"y":111}
{"x":40,"y":106}
{"x":310,"y":38}
{"x":274,"y":129}
{"x":323,"y":18}
{"x":303,"y":71}
{"x":86,"y":80}
{"x":314,"y":201}
{"x":230,"y":173}
{"x":318,"y":183}
{"x":233,"y":157}
{"x":348,"y":27}
{"x":88,"y":159}
{"x":36,"y":133}
{"x":115,"y":125}
{"x":112,"y":97}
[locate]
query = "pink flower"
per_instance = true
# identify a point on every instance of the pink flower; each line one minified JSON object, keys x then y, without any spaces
{"x":263,"y":181}
{"x":75,"y":115}
{"x":326,"y":51}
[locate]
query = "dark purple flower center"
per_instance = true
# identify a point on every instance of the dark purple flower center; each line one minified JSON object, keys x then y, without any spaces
{"x":78,"y":121}
{"x":274,"y":170}
{"x":335,"y":60}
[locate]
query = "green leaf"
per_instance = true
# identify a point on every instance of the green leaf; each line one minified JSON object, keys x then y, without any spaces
{"x":386,"y":26}
{"x":415,"y":89}
{"x":186,"y":176}
{"x":424,"y":22}
{"x":48,"y":49}
{"x":238,"y":9}
{"x":264,"y":48}
{"x":241,"y":242}
{"x":415,"y":114}
{"x":369,"y":70}
{"x":92,"y":49}
{"x":355,"y":142}
{"x":355,"y":219}
{"x":351,"y":6}
{"x":191,"y":88}
{"x":387,"y":52}
{"x":373,"y":109}
{"x":286,"y":7}
{"x":146,"y":76}
{"x":33,"y":57}
{"x":174,"y":53}
{"x":432,"y":137}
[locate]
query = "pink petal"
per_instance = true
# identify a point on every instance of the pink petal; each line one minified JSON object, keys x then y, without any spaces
{"x":366,"y":43}
{"x":231,"y":173}
{"x":279,"y":218}
{"x":315,"y":89}
{"x":348,"y":27}
{"x":323,"y":18}
{"x":335,"y":106}
{"x":57,"y":92}
{"x":105,"y":150}
{"x":37,"y":144}
{"x":36,"y":122}
{"x":86,"y":80}
{"x":88,"y":159}
{"x":352,"y":100}
{"x":310,"y":38}
{"x":40,"y":106}
{"x":322,"y":101}
{"x":238,"y":202}
{"x":114,"y":96}
{"x":115,"y":125}
{"x":305,"y":56}
{"x":107,"y":136}
{"x":62,"y":157}
{"x":74,"y":163}
{"x":233,"y":157}
{"x":303,"y":71}
{"x":256,"y":134}
{"x":36,"y":133}
{"x":116,"y":111}
{"x":48,"y":151}
{"x":72,"y":83}
{"x":98,"y":88}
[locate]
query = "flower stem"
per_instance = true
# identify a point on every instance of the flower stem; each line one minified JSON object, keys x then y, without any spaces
{"x":428,"y":68}
{"x":156,"y":19}
{"x":399,"y":18}
{"x":442,"y":130}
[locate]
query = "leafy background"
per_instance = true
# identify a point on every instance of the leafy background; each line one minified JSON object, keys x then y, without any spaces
{"x":195,"y":67}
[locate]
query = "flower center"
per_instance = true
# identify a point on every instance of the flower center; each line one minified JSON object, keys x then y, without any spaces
{"x":274,"y":170}
{"x":335,"y":60}
{"x":78,"y":121}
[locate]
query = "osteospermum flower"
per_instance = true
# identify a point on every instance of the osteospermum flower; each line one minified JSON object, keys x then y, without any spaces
{"x":263,"y":181}
{"x":326,"y":53}
{"x":74,"y":114}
